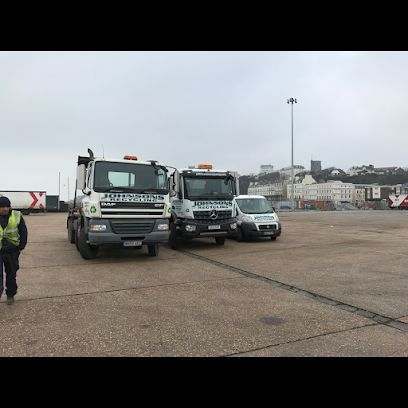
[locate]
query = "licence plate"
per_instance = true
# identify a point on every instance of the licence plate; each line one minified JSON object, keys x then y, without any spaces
{"x":269,"y":233}
{"x":214,"y":227}
{"x":132,"y":243}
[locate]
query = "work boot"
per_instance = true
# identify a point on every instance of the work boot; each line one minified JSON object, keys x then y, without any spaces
{"x":10,"y":300}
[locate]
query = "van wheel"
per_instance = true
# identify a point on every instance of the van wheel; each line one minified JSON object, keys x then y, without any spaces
{"x":71,"y":232}
{"x":153,"y":249}
{"x":240,"y":235}
{"x":220,"y":240}
{"x":173,"y":241}
{"x":87,"y":251}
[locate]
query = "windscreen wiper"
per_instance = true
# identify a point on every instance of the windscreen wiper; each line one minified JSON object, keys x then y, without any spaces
{"x":157,"y":191}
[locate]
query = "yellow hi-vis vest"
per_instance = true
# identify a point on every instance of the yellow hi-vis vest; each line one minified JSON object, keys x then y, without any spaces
{"x":11,"y":231}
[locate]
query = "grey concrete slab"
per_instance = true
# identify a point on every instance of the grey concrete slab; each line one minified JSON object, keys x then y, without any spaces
{"x":195,"y":319}
{"x":176,"y":305}
{"x":368,"y":271}
{"x":374,"y":341}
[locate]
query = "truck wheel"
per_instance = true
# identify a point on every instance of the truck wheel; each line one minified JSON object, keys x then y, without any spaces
{"x":76,"y":238}
{"x":87,"y":251}
{"x":71,"y":232}
{"x":240,"y":235}
{"x":220,"y":240}
{"x":173,"y":241}
{"x":153,"y":249}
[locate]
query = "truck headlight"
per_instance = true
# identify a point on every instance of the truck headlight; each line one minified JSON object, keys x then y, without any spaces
{"x":233,"y":226}
{"x":190,"y":228}
{"x":163,"y":227}
{"x":97,"y":227}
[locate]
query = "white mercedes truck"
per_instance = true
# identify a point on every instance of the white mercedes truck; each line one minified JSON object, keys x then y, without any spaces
{"x":125,"y":203}
{"x":201,"y":203}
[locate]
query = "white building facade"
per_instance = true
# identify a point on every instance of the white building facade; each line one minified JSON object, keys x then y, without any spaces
{"x":266,"y":190}
{"x":335,"y":191}
{"x":266,"y":169}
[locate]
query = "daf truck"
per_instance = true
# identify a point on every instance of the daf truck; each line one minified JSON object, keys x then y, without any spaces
{"x":201,"y":203}
{"x":125,"y":203}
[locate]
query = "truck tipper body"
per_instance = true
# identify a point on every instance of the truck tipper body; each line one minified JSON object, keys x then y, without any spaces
{"x":201,"y":203}
{"x":398,"y":201}
{"x":26,"y":201}
{"x":125,"y":203}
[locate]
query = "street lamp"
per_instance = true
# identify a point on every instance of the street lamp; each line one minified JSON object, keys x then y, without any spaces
{"x":291,"y":101}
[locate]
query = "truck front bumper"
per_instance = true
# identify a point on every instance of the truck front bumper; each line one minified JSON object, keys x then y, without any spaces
{"x":154,"y":235}
{"x":203,"y":230}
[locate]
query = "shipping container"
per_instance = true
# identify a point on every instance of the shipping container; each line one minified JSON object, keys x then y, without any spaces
{"x":52,"y":203}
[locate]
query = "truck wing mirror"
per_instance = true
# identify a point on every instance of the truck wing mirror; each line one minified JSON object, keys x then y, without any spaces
{"x":81,"y":173}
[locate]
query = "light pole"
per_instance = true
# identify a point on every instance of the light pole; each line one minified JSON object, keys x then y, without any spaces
{"x":59,"y":189}
{"x":291,"y":101}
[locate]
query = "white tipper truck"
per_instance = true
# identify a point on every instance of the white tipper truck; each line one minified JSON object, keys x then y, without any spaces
{"x":201,"y":203}
{"x":125,"y":203}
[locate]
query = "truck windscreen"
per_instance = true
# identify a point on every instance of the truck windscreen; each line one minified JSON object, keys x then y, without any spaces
{"x":254,"y":206}
{"x":129,"y":177}
{"x":208,"y":187}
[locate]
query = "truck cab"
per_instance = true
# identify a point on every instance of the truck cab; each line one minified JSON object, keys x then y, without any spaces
{"x":255,"y":218}
{"x":201,"y":203}
{"x":125,"y":203}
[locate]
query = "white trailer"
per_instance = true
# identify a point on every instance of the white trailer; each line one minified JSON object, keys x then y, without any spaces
{"x":26,"y":201}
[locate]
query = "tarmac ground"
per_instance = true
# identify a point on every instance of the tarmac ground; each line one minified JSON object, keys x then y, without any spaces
{"x":333,"y":284}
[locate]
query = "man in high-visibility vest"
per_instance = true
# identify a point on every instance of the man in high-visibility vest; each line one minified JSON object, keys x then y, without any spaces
{"x":13,"y":239}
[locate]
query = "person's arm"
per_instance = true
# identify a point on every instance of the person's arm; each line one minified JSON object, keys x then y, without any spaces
{"x":22,"y":230}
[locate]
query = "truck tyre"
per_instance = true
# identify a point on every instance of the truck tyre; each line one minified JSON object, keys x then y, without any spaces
{"x":87,"y":251}
{"x":220,"y":240}
{"x":71,"y":232}
{"x":240,"y":234}
{"x":153,"y":249}
{"x":173,"y":241}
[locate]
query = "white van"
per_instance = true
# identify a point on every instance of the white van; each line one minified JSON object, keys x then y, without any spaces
{"x":255,"y":218}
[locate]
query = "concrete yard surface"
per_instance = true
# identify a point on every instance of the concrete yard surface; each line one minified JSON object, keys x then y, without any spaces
{"x":333,"y":284}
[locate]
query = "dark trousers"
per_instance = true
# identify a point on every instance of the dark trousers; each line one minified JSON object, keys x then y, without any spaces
{"x":11,"y":266}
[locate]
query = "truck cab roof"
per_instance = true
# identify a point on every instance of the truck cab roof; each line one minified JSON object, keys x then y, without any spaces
{"x":249,"y":196}
{"x":98,"y":159}
{"x":203,"y":170}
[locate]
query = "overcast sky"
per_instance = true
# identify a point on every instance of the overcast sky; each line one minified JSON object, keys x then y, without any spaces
{"x":183,"y":108}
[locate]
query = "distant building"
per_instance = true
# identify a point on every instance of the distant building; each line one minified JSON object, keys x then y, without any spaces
{"x":287,"y":171}
{"x":334,"y":190}
{"x":370,"y":169}
{"x":272,"y":191}
{"x":401,"y":188}
{"x":315,"y":166}
{"x":266,"y":169}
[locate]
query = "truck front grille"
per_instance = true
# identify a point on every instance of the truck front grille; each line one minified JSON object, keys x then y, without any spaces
{"x":132,"y":226}
{"x":204,"y":216}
